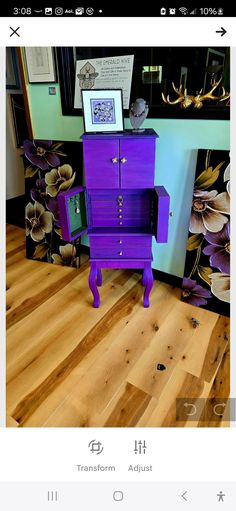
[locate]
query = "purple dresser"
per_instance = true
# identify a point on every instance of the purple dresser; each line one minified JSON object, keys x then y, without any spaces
{"x":120,"y":207}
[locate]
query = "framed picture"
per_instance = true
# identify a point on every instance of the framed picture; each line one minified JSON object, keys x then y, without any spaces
{"x":102,"y":110}
{"x":12,"y":71}
{"x":19,"y":118}
{"x":40,"y":64}
{"x":215,"y":62}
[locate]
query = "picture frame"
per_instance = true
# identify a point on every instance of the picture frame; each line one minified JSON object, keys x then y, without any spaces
{"x":102,"y":110}
{"x":12,"y":70}
{"x":214,"y":67}
{"x":40,"y":63}
{"x":19,"y":118}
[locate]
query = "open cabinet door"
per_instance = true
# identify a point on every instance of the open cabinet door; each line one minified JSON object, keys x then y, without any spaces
{"x":73,"y":213}
{"x":161,"y":214}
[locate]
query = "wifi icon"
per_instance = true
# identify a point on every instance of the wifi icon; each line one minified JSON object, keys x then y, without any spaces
{"x":183,"y":10}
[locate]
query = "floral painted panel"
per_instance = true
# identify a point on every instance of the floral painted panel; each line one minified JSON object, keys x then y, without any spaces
{"x":206,"y":281}
{"x":50,"y":167}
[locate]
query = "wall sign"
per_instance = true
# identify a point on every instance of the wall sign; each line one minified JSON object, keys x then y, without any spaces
{"x":104,"y":73}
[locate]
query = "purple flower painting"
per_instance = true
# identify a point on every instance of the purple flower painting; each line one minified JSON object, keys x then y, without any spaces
{"x":50,"y":167}
{"x":193,"y":293}
{"x":206,"y":281}
{"x":40,"y":153}
{"x":219,"y":249}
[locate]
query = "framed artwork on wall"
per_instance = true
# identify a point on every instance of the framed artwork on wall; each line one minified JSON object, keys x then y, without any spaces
{"x":102,"y":110}
{"x":12,"y":71}
{"x":19,"y":118}
{"x":40,"y":64}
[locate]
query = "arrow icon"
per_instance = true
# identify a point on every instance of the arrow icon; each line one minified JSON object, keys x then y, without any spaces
{"x":222,"y":31}
{"x":183,"y":496}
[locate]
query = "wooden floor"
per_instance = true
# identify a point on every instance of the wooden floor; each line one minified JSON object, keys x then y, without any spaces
{"x":71,"y":365}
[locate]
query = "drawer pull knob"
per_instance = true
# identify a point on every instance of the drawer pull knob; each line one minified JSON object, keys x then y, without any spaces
{"x":120,"y":223}
{"x":114,"y":160}
{"x":120,"y":253}
{"x":120,"y":197}
{"x":120,"y":204}
{"x":120,"y":242}
{"x":119,"y":216}
{"x":123,"y":160}
{"x":119,"y":210}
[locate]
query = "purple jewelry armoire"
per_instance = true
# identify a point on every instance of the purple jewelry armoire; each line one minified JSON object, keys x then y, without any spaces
{"x":120,"y":207}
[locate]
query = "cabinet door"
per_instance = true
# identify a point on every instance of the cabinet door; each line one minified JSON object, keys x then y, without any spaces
{"x":137,"y":162}
{"x":161,"y":206}
{"x":73,"y":213}
{"x":101,"y":163}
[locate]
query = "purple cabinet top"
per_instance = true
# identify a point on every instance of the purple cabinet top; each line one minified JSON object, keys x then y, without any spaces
{"x":146,"y":133}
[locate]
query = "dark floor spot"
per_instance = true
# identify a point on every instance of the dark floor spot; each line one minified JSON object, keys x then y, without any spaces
{"x":156,"y":327}
{"x":184,"y":357}
{"x":161,"y":367}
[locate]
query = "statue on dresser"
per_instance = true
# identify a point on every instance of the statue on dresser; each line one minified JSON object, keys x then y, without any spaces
{"x":138,"y":113}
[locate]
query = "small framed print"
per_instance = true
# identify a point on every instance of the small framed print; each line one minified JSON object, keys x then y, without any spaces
{"x":40,"y":64}
{"x":102,"y":110}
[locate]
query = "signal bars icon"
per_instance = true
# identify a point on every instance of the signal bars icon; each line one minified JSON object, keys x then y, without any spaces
{"x":193,"y":13}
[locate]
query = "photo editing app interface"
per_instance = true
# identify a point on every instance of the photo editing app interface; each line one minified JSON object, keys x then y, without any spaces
{"x":116,"y":389}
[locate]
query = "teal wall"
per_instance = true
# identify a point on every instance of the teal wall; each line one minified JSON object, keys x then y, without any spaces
{"x":175,"y":161}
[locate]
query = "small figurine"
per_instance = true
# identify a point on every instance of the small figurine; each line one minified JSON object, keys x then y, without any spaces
{"x":138,"y":113}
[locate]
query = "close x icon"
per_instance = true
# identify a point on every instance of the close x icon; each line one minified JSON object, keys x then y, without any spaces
{"x":14,"y":31}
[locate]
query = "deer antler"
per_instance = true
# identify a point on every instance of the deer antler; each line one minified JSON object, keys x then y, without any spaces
{"x":178,"y":100}
{"x":209,"y":95}
{"x":183,"y":98}
{"x":186,"y":100}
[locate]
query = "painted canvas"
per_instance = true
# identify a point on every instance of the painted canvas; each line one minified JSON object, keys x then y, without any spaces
{"x":50,"y":167}
{"x":206,"y":281}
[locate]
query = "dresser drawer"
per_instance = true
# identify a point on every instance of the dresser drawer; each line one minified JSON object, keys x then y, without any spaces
{"x":121,"y":247}
{"x":121,"y":209}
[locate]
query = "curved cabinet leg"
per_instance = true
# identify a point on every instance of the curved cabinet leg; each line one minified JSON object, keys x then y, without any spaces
{"x":148,"y":279}
{"x":99,"y":277}
{"x":144,"y":279}
{"x":93,"y":284}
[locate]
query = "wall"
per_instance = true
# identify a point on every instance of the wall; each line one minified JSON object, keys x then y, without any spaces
{"x":175,"y":161}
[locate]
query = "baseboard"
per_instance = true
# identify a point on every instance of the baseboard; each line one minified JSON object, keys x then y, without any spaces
{"x":15,"y":211}
{"x":172,"y":280}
